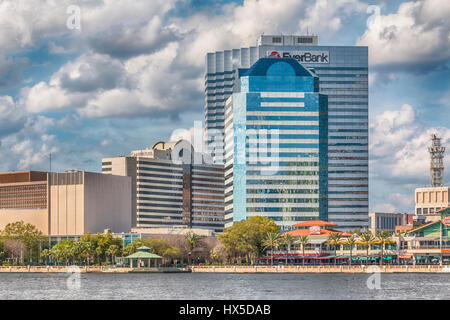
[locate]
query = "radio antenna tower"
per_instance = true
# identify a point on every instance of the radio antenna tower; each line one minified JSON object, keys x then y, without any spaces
{"x":437,"y":162}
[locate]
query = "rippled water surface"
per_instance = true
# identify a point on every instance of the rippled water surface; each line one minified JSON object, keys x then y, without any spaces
{"x":206,"y":286}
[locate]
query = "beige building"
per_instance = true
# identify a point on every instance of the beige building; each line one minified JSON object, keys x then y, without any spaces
{"x":68,"y":203}
{"x":381,"y":221}
{"x":430,"y":200}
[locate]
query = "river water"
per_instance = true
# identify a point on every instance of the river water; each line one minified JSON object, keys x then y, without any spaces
{"x":205,"y":286}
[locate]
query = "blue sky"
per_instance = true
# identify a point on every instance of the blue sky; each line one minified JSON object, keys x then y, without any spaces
{"x":133,"y":73}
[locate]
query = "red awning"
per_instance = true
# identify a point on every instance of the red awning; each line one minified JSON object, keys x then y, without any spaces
{"x":405,"y":256}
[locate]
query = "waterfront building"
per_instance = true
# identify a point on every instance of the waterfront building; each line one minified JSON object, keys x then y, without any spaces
{"x":428,"y":202}
{"x":276,"y":145}
{"x":318,"y":249}
{"x":430,"y":242}
{"x":67,"y":203}
{"x":172,"y":187}
{"x":343,"y":76}
{"x":379,"y":221}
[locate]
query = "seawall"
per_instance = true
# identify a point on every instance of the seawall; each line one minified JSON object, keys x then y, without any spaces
{"x":324,"y":269}
{"x":236,"y":269}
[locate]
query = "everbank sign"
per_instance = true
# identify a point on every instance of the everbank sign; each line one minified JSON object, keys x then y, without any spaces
{"x":302,"y":56}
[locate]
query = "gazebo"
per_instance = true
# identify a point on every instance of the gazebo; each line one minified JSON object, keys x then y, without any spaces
{"x":143,"y":258}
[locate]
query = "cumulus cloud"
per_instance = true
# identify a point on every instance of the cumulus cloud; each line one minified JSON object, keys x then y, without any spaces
{"x":416,"y":38}
{"x":240,"y":25}
{"x":12,"y":118}
{"x":395,"y":202}
{"x":148,"y":68}
{"x":101,"y":86}
{"x":26,"y":22}
{"x":124,"y":42}
{"x":398,"y":147}
{"x":28,"y":146}
{"x":11,"y":70}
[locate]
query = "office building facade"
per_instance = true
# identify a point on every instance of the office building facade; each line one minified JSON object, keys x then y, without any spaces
{"x":428,"y":202}
{"x":173,"y":187}
{"x":380,"y":221}
{"x":276,"y":145}
{"x":67,"y":203}
{"x":343,"y":77}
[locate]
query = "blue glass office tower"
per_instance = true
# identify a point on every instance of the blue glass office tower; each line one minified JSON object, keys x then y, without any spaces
{"x":343,"y":77}
{"x":276,"y":146}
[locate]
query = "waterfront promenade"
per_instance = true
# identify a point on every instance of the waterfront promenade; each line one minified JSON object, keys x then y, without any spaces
{"x":324,"y":269}
{"x":236,"y":269}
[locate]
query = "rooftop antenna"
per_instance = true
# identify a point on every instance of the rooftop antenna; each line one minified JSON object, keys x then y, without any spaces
{"x":50,"y":160}
{"x":437,"y":162}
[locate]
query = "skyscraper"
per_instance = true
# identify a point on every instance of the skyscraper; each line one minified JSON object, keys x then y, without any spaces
{"x":343,"y":77}
{"x":276,"y":145}
{"x":172,"y":187}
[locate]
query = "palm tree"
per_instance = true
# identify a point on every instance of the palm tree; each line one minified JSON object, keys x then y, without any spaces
{"x":271,"y":241}
{"x":383,"y":236}
{"x":303,"y":240}
{"x":287,"y":240}
{"x":99,"y":253}
{"x":367,"y":239}
{"x":192,"y":240}
{"x":56,"y":253}
{"x":351,"y":241}
{"x":113,"y":250}
{"x":87,"y":250}
{"x":334,"y":239}
{"x":45,"y":254}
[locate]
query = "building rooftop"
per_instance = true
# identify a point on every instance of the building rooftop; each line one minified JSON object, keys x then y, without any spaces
{"x":311,"y":223}
{"x":264,"y":67}
{"x":22,"y":176}
{"x":306,"y":232}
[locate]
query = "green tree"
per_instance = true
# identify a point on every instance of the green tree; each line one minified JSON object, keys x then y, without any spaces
{"x":45,"y":254}
{"x":132,"y":247}
{"x":334,"y":239}
{"x":191,"y":241}
{"x":171,"y":254}
{"x":87,"y":250}
{"x":384,"y":237}
{"x":271,"y":241}
{"x":113,"y":251}
{"x":26,"y":233}
{"x":57,"y":253}
{"x":157,"y":246}
{"x":303,"y":240}
{"x":99,"y":253}
{"x":367,"y":239}
{"x":245,"y":238}
{"x":351,"y":241}
{"x":287,"y":241}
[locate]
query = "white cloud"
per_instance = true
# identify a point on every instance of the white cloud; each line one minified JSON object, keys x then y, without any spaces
{"x":28,"y":146}
{"x":102,"y":86}
{"x":416,"y":37}
{"x":398,"y":146}
{"x":395,"y":203}
{"x":241,"y":25}
{"x":26,"y":22}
